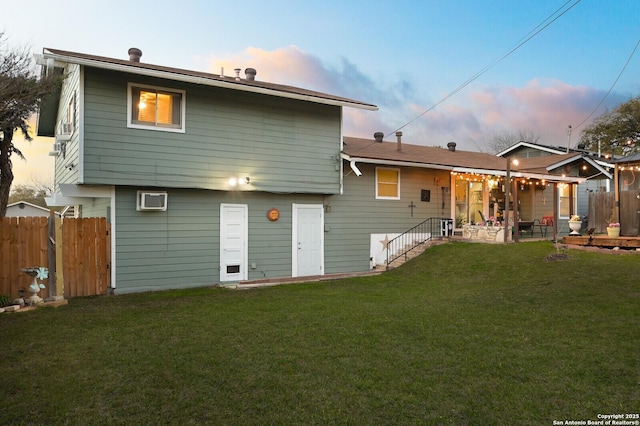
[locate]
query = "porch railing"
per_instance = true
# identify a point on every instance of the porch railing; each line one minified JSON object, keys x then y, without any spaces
{"x":434,"y":227}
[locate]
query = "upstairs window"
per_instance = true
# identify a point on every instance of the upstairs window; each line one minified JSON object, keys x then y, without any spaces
{"x":387,"y":184}
{"x":156,"y":108}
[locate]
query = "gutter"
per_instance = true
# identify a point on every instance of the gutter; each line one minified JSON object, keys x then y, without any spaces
{"x":549,"y":178}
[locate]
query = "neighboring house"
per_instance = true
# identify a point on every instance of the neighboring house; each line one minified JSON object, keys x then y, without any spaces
{"x":26,"y":209}
{"x":597,"y":171}
{"x":204,"y":178}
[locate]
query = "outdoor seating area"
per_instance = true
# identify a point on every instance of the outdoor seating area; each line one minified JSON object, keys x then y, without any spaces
{"x":530,"y":228}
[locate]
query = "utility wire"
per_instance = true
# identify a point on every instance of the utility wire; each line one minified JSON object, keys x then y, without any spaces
{"x":534,"y":32}
{"x":612,"y":86}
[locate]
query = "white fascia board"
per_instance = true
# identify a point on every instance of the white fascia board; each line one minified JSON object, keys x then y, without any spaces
{"x":84,"y":191}
{"x":394,"y":163}
{"x":513,"y":173}
{"x":57,"y":200}
{"x":203,"y":81}
{"x":586,"y":159}
{"x":530,"y":145}
{"x":564,"y":162}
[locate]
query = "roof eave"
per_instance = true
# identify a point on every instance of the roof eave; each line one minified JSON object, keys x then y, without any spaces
{"x":202,"y":81}
{"x":515,"y":174}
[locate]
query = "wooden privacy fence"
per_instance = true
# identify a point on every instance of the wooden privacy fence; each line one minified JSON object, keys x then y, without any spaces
{"x":602,"y":205}
{"x":76,"y":251}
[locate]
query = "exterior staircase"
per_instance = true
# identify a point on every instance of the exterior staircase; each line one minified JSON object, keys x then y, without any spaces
{"x":416,"y":240}
{"x":411,"y":252}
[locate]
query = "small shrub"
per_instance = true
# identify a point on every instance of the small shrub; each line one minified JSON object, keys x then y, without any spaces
{"x":4,"y":300}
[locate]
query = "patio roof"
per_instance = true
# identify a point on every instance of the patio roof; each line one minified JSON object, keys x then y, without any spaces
{"x":360,"y":150}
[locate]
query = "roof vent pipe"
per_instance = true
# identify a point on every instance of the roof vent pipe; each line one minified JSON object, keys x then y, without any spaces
{"x":237,"y":70}
{"x":134,"y":54}
{"x":250,"y":73}
{"x":378,"y":136}
{"x":399,"y":136}
{"x":451,"y":146}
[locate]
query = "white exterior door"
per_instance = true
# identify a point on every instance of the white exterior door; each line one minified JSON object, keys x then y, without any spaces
{"x":233,"y":242}
{"x":308,"y":240}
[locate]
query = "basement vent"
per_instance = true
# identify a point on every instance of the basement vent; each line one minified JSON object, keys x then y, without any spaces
{"x":156,"y":201}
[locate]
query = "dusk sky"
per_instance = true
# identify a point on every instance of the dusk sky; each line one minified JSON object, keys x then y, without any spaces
{"x":404,"y":56}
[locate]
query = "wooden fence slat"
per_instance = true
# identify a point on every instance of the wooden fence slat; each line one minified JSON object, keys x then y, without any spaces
{"x":83,"y":250}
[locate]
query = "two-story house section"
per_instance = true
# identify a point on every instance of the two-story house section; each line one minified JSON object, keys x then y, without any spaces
{"x":204,"y":178}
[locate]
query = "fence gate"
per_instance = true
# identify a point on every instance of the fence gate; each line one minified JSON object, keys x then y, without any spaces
{"x":602,"y":206}
{"x":76,"y":251}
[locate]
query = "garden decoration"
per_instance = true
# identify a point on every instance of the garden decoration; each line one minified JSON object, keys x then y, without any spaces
{"x":575,"y":223}
{"x":35,"y":287}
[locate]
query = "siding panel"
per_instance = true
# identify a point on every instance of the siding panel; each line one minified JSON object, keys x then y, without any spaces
{"x":357,"y":214}
{"x":283,"y":145}
{"x":180,"y":247}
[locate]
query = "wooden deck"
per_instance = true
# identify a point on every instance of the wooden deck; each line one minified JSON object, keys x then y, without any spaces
{"x":602,"y":241}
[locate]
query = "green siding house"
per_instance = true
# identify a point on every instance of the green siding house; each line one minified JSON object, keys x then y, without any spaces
{"x":211,"y":179}
{"x":204,"y":178}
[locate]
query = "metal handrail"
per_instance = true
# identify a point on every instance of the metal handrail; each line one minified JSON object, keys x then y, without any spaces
{"x":416,"y":236}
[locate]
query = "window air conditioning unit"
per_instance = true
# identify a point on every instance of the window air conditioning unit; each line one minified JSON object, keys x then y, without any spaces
{"x":57,"y":148}
{"x":155,"y":201}
{"x":66,"y":128}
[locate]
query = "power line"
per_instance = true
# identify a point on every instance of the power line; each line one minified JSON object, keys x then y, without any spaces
{"x":612,"y":86}
{"x":534,"y":32}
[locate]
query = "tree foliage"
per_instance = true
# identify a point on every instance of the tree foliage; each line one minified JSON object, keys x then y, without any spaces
{"x":615,"y":132}
{"x":20,"y":94}
{"x":34,"y":193}
{"x":499,"y":142}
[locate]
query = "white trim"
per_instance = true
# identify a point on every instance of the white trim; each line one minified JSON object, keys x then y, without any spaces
{"x":580,"y":157}
{"x":81,"y":126}
{"x":380,"y":197}
{"x":395,"y":163}
{"x":533,"y":146}
{"x":550,"y":178}
{"x":112,"y":218}
{"x":183,"y":108}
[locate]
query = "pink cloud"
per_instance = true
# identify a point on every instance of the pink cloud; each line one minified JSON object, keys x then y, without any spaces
{"x":542,"y":107}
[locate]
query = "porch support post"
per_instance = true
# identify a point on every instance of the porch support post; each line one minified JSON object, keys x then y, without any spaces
{"x":507,"y":184}
{"x":516,"y":219}
{"x":616,"y":204}
{"x":555,"y":211}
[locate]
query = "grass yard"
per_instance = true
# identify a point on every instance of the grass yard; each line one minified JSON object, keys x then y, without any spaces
{"x":466,"y":334}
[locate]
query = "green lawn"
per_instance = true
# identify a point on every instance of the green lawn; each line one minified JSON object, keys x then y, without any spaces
{"x":466,"y":334}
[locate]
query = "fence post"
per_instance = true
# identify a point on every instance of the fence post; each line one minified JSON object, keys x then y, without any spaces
{"x":51,"y":253}
{"x":59,"y":251}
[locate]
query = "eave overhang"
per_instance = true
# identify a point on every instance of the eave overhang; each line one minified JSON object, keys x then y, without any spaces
{"x":455,"y":169}
{"x":176,"y":75}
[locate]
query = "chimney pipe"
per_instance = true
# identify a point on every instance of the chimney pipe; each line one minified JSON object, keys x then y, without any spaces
{"x":237,"y":70}
{"x":399,"y":136}
{"x":134,"y":54}
{"x":451,"y":146}
{"x":250,"y":74}
{"x":377,"y":136}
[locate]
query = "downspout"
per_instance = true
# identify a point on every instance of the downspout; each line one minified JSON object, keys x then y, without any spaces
{"x":355,"y":168}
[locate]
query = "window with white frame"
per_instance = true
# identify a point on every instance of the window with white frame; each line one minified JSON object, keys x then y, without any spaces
{"x":387,"y":183}
{"x":151,"y":107}
{"x":71,"y":111}
{"x":564,"y":201}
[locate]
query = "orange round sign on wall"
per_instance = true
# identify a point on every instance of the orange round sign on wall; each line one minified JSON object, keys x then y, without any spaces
{"x":273,"y":215}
